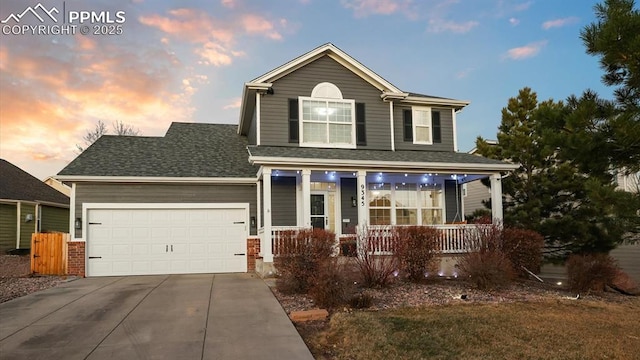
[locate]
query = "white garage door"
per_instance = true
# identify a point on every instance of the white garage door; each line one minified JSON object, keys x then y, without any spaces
{"x":166,"y":241}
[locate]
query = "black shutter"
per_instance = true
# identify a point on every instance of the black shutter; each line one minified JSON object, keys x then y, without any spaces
{"x":293,"y":121}
{"x":361,"y":134}
{"x":407,"y":125}
{"x":437,"y":130}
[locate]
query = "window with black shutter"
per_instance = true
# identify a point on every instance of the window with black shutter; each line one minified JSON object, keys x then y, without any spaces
{"x":437,"y":132}
{"x":293,"y":121}
{"x":361,"y":134}
{"x":407,"y":125}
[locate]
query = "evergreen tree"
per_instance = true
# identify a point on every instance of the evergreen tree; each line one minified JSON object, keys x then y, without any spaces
{"x":571,"y":201}
{"x":615,"y":39}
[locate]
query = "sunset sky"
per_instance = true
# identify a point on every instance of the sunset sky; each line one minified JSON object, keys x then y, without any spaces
{"x":188,"y":60}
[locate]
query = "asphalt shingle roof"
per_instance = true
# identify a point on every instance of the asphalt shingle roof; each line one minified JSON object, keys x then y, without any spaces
{"x":16,"y":184}
{"x":187,"y":150}
{"x":371,"y":155}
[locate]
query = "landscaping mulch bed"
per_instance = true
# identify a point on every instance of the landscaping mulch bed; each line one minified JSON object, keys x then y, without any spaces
{"x":16,"y":279}
{"x":437,"y":291}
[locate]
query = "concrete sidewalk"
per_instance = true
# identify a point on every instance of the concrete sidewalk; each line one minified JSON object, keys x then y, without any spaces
{"x":204,"y":316}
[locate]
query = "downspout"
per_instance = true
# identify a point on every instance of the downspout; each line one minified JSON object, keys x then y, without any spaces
{"x":18,"y":215}
{"x":393,"y":137}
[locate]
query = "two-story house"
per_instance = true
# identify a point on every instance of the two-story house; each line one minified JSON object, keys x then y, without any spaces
{"x":322,"y":141}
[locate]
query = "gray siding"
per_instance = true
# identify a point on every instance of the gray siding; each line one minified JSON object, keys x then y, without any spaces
{"x":27,"y":228}
{"x":164,"y":193}
{"x":54,"y":219}
{"x":452,"y":201}
{"x":476,"y":193}
{"x":446,"y":123}
{"x":348,"y":190}
{"x":8,"y":214}
{"x":274,"y":109}
{"x":283,"y":201}
{"x":628,"y":257}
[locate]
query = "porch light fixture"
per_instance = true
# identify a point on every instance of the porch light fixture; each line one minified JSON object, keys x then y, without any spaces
{"x":28,"y":218}
{"x":78,"y":223}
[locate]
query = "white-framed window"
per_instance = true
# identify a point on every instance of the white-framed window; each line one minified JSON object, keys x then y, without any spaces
{"x":399,"y":203}
{"x":432,"y":204}
{"x":380,"y":203}
{"x":406,"y":202}
{"x":421,"y":118}
{"x":327,"y":120}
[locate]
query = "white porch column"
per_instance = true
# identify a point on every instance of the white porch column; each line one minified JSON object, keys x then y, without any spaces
{"x":306,"y":197}
{"x":363,"y":207}
{"x":496,"y":196}
{"x":265,"y":244}
{"x":258,"y":204}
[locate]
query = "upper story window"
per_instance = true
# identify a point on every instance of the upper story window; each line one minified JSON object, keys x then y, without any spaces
{"x":327,"y":120}
{"x":422,"y":125}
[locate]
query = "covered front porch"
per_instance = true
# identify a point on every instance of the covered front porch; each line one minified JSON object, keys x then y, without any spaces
{"x":347,"y":200}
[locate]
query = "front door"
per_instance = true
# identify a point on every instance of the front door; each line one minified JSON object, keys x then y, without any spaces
{"x":319,"y":218}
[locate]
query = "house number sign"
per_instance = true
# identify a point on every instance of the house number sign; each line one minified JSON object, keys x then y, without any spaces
{"x":362,"y":193}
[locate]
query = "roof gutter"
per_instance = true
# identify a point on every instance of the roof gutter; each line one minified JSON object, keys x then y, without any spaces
{"x":376,"y":164}
{"x":161,"y":180}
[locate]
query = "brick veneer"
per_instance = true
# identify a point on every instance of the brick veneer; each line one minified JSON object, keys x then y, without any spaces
{"x":75,"y":258}
{"x":253,"y":251}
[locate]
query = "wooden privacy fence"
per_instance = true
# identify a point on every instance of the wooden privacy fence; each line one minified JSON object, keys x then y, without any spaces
{"x":49,"y":253}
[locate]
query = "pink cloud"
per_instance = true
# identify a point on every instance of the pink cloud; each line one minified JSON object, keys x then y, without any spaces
{"x":255,"y":24}
{"x":559,"y":22}
{"x":527,"y":51}
{"x":440,"y":25}
{"x":215,"y":38}
{"x":49,"y":101}
{"x":190,"y":25}
{"x":363,"y":8}
{"x":234,"y":104}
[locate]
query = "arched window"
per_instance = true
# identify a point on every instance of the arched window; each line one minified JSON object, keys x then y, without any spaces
{"x":327,"y":119}
{"x":326,"y":90}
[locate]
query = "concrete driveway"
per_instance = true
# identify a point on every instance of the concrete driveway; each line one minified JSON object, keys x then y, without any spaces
{"x":204,"y":316}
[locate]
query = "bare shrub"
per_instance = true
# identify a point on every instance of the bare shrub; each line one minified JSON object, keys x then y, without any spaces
{"x":486,"y":265}
{"x":328,"y":288}
{"x":417,"y":249}
{"x":523,"y":248}
{"x":377,"y":260}
{"x":301,"y":255}
{"x":487,"y":270}
{"x":591,"y":272}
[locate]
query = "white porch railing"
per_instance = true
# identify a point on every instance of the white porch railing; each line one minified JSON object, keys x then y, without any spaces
{"x":453,"y":239}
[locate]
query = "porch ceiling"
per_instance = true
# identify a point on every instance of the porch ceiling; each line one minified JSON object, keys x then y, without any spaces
{"x":376,"y":159}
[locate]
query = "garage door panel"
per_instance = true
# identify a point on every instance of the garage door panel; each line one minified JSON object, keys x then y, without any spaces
{"x":166,"y":241}
{"x":140,"y":249}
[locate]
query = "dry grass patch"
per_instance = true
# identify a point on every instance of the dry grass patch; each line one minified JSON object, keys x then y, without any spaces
{"x":553,"y":329}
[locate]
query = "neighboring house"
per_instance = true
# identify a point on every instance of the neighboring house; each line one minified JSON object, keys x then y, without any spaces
{"x":475,"y":193}
{"x":28,"y":205}
{"x":322,"y":141}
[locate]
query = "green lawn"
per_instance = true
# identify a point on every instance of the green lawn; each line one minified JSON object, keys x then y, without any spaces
{"x":561,"y":329}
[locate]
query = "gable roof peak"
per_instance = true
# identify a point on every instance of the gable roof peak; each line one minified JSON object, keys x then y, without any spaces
{"x":334,"y":52}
